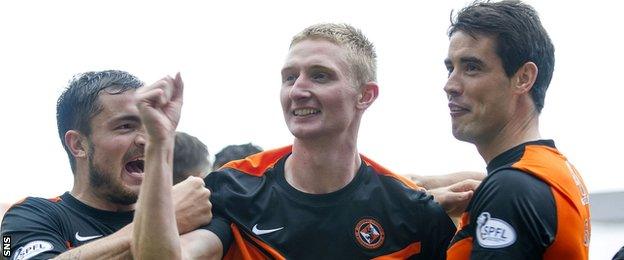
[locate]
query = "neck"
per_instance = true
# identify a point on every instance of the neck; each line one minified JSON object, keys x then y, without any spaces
{"x":523,"y":128}
{"x":95,"y":201}
{"x":322,"y":166}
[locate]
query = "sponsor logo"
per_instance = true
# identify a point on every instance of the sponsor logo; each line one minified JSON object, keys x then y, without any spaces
{"x":369,"y":234}
{"x":493,"y":232}
{"x":82,"y":239}
{"x":579,"y":184}
{"x":258,"y":231}
{"x":32,"y":249}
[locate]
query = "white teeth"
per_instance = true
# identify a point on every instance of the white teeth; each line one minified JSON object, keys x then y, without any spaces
{"x":305,"y":111}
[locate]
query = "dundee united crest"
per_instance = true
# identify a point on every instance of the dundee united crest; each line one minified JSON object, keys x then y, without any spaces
{"x":369,"y":234}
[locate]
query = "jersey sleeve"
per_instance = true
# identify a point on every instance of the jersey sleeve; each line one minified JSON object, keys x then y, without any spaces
{"x":33,"y":231}
{"x":439,"y":230}
{"x":219,"y":225}
{"x":514,"y":217}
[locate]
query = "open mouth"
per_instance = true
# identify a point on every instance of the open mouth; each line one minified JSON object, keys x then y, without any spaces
{"x":135,"y":166}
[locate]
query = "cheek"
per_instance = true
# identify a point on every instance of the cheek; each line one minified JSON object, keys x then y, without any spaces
{"x":481,"y":94}
{"x":343,"y":97}
{"x":114,"y":148}
{"x":284,"y":97}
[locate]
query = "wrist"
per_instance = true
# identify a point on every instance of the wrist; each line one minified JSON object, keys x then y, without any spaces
{"x":156,"y":142}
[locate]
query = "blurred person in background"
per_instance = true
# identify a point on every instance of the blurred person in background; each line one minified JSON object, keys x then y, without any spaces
{"x":190,"y":158}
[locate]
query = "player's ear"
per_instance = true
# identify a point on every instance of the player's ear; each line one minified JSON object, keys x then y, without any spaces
{"x":525,"y":77}
{"x":368,"y":95}
{"x":76,"y":143}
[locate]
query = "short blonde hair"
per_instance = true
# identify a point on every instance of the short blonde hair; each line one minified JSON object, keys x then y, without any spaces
{"x":361,"y":55}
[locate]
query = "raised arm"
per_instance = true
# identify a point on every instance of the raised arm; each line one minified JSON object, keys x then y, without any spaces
{"x":155,"y":231}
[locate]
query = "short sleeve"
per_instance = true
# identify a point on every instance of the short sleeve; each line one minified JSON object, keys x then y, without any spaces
{"x":220,"y":227}
{"x":439,"y":230}
{"x":33,"y":232}
{"x":513,"y":217}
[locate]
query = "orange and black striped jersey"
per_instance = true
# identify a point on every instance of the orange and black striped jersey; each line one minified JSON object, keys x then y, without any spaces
{"x":378,"y":215}
{"x":44,"y":228}
{"x":532,"y":205}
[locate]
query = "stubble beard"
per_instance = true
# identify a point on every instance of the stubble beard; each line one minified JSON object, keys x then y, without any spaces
{"x":105,"y":185}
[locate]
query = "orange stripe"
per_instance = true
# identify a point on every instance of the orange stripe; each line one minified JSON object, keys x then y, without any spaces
{"x":268,"y":248}
{"x":55,"y":199}
{"x":404,"y":253}
{"x":460,"y":250}
{"x":258,"y":164}
{"x":386,"y":172}
{"x":464,"y":221}
{"x":239,"y":244}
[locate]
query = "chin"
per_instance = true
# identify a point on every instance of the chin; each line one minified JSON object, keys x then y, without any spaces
{"x":124,"y":195}
{"x":461,"y":135}
{"x":305,"y":134}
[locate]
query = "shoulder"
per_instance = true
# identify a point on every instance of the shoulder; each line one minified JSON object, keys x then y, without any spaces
{"x":35,"y":226}
{"x":511,"y":191}
{"x":247,"y":173}
{"x":258,"y":164}
{"x":32,"y":210}
{"x":232,"y":179}
{"x":34,"y":204}
{"x":513,"y":211}
{"x":388,"y":177}
{"x":514,"y":182}
{"x":405,"y":193}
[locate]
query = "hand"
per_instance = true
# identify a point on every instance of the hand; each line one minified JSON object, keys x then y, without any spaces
{"x":192,"y":204}
{"x":455,"y":198}
{"x":160,"y":106}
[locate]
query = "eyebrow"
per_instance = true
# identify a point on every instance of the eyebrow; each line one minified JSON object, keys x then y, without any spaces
{"x":131,"y":118}
{"x":471,"y":59}
{"x":321,"y":67}
{"x":313,"y":67}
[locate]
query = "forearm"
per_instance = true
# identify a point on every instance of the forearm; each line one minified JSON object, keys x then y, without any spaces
{"x":155,"y":230}
{"x":114,"y":246}
{"x":437,"y":181}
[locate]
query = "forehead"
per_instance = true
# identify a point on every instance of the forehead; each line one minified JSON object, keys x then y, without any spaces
{"x":316,"y":52}
{"x":116,"y":103}
{"x":463,"y":44}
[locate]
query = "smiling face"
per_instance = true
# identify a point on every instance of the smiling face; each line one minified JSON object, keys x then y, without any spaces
{"x":116,"y":144}
{"x":318,"y":96}
{"x":478,"y":89}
